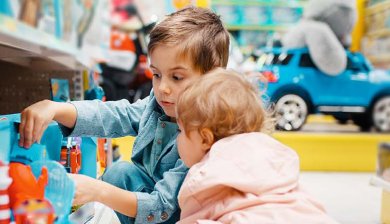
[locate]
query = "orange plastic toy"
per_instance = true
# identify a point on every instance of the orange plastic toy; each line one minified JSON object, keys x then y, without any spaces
{"x":101,"y":152}
{"x":70,"y":158}
{"x":75,"y":159}
{"x":24,"y":185}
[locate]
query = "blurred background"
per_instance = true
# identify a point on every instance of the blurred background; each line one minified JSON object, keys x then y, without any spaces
{"x":324,"y":66}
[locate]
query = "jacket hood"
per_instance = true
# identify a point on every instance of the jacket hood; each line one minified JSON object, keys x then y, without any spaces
{"x":251,"y":163}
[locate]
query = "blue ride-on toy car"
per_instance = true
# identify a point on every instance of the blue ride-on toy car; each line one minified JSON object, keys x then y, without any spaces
{"x":297,"y":88}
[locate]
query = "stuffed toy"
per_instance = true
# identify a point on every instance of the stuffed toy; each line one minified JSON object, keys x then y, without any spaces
{"x":325,"y":30}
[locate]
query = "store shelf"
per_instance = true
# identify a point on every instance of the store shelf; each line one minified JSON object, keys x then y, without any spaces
{"x":292,"y":4}
{"x":258,"y":27}
{"x":377,"y":8}
{"x":384,"y":32}
{"x":21,"y":44}
{"x":334,"y":151}
{"x":254,"y":22}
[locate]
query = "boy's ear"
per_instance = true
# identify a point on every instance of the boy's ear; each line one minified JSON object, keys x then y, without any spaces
{"x":207,"y":138}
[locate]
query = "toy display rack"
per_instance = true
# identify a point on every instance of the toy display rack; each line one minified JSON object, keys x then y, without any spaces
{"x":27,"y":46}
{"x":21,"y":86}
{"x":29,"y":58}
{"x":376,"y":44}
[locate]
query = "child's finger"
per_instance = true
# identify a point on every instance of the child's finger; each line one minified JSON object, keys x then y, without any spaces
{"x":21,"y":129}
{"x":28,"y":131}
{"x":38,"y":126}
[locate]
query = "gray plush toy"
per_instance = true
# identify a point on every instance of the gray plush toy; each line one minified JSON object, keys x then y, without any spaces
{"x":325,"y":29}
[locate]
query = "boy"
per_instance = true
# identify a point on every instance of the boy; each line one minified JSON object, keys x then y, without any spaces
{"x":183,"y":46}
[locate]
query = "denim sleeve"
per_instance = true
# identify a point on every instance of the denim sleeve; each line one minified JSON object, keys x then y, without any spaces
{"x":106,"y":119}
{"x":162,"y":203}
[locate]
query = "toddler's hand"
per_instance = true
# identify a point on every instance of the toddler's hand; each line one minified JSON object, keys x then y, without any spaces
{"x":86,"y":188}
{"x":34,"y":121}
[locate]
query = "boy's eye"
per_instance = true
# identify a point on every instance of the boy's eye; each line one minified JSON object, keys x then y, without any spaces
{"x":177,"y":77}
{"x":156,"y":75}
{"x":178,"y":130}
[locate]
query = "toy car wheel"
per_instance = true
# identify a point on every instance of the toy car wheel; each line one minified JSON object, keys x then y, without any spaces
{"x":381,"y":114}
{"x":291,"y":112}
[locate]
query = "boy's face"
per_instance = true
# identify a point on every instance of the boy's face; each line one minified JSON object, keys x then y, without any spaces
{"x":170,"y":77}
{"x":190,"y":147}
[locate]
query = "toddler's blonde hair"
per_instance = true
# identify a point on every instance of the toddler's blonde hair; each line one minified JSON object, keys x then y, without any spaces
{"x":224,"y":102}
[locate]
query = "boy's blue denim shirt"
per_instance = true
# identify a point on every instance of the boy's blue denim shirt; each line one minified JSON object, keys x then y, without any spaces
{"x":145,"y":120}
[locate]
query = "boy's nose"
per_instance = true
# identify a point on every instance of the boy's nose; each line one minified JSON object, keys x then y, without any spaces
{"x":164,"y":87}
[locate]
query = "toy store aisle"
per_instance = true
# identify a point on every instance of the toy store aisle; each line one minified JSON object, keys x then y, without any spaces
{"x":347,"y":197}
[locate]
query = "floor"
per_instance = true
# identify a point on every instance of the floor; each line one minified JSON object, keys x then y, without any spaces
{"x":347,"y":197}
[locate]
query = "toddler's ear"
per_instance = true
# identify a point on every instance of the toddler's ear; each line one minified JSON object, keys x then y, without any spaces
{"x":207,"y":138}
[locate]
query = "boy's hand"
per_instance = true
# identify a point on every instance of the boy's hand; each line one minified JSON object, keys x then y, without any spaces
{"x":86,"y":188}
{"x":89,"y":189}
{"x":34,"y":121}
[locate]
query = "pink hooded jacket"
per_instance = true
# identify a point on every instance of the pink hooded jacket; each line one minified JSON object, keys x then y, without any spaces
{"x":248,"y":178}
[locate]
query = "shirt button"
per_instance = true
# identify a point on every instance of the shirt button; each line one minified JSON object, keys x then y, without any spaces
{"x":159,"y":141}
{"x":163,"y":125}
{"x":164,"y":216}
{"x":150,"y":218}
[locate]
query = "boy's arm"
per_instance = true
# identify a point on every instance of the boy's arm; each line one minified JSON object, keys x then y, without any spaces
{"x":66,"y":114}
{"x":155,"y":207}
{"x":89,"y":189}
{"x":118,"y":199}
{"x":106,"y":119}
{"x":81,"y":118}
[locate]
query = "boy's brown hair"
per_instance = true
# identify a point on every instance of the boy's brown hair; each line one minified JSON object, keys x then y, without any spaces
{"x":224,"y":102}
{"x":199,"y":32}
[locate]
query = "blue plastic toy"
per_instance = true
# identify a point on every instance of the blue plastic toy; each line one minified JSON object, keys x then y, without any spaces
{"x":59,"y":190}
{"x":51,"y":140}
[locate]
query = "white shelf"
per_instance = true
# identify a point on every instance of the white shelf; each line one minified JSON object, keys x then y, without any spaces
{"x":21,"y":44}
